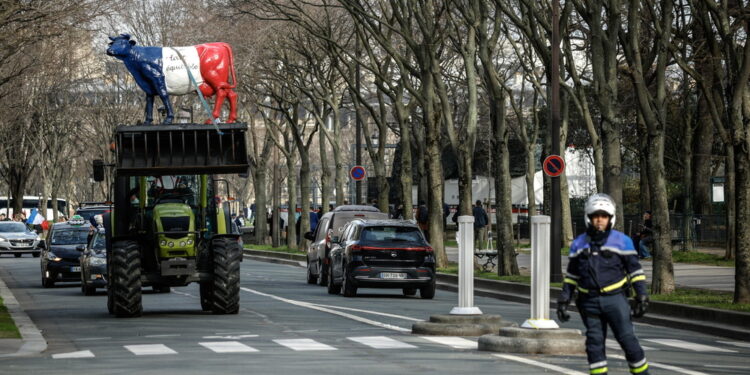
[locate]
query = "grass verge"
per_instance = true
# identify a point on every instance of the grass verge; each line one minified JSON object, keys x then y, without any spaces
{"x":8,"y":328}
{"x":703,"y":298}
{"x":453,"y":269}
{"x":696,"y":257}
{"x":277,"y":249}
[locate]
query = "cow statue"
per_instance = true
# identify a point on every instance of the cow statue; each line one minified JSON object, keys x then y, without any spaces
{"x":161,"y":71}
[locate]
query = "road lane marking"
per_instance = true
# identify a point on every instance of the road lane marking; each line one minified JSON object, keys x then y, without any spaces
{"x":613,"y":344}
{"x":92,"y":338}
{"x":79,"y":354}
{"x":370,"y":312}
{"x":150,"y":349}
{"x":304,"y":345}
{"x":381,"y":342}
{"x":453,"y":342}
{"x":228,"y":347}
{"x":547,"y":366}
{"x":736,"y":343}
{"x":666,"y":367}
{"x":165,"y":335}
{"x":690,"y":345}
{"x":330,"y":311}
{"x":230,"y":337}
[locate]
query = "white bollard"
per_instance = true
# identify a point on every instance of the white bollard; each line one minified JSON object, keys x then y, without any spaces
{"x":540,"y":259}
{"x":466,"y":268}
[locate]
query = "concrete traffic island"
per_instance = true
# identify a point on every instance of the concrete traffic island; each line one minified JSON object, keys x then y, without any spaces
{"x":535,"y":341}
{"x":461,"y":325}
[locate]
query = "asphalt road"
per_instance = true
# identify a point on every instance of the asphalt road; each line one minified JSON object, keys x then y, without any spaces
{"x":288,"y":327}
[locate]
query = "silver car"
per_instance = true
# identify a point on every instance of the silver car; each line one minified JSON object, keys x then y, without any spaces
{"x":17,"y":239}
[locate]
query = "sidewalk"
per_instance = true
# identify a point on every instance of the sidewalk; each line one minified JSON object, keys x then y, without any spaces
{"x":32,"y":341}
{"x":685,"y":275}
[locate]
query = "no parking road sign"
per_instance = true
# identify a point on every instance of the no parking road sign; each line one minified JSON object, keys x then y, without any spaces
{"x":553,"y":165}
{"x":357,"y":173}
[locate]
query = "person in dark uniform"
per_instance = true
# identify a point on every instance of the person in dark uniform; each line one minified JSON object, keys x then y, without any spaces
{"x":603,"y":267}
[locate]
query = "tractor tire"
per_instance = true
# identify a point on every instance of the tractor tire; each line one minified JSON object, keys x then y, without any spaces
{"x":226,"y":285}
{"x":125,"y":281}
{"x":88,"y":290}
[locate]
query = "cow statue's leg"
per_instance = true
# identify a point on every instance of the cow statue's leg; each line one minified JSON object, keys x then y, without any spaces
{"x":149,"y":115}
{"x":232,"y":106}
{"x":167,"y":105}
{"x":221,"y":94}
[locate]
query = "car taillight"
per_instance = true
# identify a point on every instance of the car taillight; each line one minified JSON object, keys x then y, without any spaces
{"x":428,"y":249}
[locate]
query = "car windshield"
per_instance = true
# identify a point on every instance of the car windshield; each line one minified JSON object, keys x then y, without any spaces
{"x":69,"y":237}
{"x":12,"y":228}
{"x":391,"y":234}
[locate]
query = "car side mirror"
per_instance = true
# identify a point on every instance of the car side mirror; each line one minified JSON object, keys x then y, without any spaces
{"x":310,"y":236}
{"x":80,"y":248}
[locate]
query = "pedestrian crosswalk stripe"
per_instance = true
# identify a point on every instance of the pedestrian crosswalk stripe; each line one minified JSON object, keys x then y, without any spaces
{"x":150,"y":349}
{"x":228,"y":347}
{"x":613,"y":344}
{"x":304,"y":344}
{"x":79,"y":354}
{"x":689,"y":345}
{"x":736,"y":343}
{"x":381,"y":342}
{"x":453,"y":342}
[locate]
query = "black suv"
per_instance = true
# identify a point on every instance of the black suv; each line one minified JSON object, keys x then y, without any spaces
{"x":328,"y":231}
{"x":60,"y":258}
{"x":382,"y":254}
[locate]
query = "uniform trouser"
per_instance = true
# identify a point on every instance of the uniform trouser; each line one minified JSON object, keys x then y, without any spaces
{"x":613,"y":310}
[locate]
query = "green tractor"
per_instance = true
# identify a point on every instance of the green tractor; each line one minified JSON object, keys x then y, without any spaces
{"x":168,"y":226}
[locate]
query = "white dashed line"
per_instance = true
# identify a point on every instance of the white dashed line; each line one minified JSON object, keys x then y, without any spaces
{"x":689,"y":345}
{"x":79,"y":354}
{"x":155,"y":349}
{"x":381,"y":342}
{"x":453,"y":342}
{"x":228,"y":347}
{"x":304,"y":345}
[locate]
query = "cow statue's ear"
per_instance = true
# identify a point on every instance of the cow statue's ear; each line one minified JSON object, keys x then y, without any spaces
{"x":132,"y":42}
{"x":112,"y":38}
{"x":125,"y":36}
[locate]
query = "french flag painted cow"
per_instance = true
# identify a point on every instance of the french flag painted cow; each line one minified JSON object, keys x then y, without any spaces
{"x":161,"y":71}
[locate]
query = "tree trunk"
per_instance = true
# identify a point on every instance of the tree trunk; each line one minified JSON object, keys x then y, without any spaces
{"x":291,"y":187}
{"x":613,"y":168}
{"x":742,"y":260}
{"x":530,"y":171}
{"x":507,"y":263}
{"x":304,"y":195}
{"x":567,"y":225}
{"x":663,"y":272}
{"x":340,"y":174}
{"x":730,"y":203}
{"x":687,"y":180}
{"x":325,"y":174}
{"x":276,"y":199}
{"x":434,"y":161}
{"x":261,"y":231}
{"x":406,"y":164}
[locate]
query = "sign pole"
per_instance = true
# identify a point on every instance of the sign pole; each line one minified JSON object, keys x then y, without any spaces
{"x":556,"y":207}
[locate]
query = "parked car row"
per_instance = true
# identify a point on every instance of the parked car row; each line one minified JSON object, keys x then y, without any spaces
{"x":359,"y":247}
{"x":17,"y":239}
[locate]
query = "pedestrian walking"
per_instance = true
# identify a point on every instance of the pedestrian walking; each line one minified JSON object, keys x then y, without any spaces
{"x":480,"y":224}
{"x":646,"y":236}
{"x":603,"y":268}
{"x":398,"y":213}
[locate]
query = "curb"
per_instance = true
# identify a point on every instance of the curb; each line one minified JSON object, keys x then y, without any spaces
{"x":673,"y":315}
{"x":33,"y":341}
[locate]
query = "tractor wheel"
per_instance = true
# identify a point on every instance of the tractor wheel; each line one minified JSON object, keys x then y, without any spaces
{"x":125,"y":281}
{"x":226,"y":285}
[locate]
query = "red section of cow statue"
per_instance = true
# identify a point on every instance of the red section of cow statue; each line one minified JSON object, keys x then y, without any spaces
{"x":163,"y":71}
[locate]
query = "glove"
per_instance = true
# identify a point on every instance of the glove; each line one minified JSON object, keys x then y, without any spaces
{"x":639,"y":305}
{"x":562,"y":311}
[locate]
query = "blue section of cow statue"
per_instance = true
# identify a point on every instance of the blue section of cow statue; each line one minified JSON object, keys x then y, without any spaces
{"x":164,"y":71}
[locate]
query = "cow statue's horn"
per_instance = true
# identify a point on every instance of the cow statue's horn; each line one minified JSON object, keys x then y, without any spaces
{"x":126,"y":36}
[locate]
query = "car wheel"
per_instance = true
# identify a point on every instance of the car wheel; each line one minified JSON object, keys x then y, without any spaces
{"x":47,"y":282}
{"x":332,"y":287}
{"x":322,"y":273}
{"x":347,"y":287}
{"x":88,"y":290}
{"x":410,"y":291}
{"x":36,"y":254}
{"x":311,"y":278}
{"x":428,"y":292}
{"x":17,"y":255}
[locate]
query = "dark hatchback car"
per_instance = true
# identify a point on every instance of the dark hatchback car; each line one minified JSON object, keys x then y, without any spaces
{"x":382,"y":254}
{"x":93,"y":264}
{"x":60,"y":259}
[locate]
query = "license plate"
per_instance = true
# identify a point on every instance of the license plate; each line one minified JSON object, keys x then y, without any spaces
{"x":392,"y":275}
{"x":75,"y":269}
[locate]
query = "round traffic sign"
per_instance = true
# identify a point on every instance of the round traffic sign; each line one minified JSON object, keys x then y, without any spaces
{"x":357,"y":173}
{"x":553,"y":165}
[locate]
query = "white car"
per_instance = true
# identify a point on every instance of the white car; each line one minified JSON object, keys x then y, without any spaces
{"x":17,"y":239}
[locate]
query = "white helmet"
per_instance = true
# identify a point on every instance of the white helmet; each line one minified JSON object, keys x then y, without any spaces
{"x":599,"y":203}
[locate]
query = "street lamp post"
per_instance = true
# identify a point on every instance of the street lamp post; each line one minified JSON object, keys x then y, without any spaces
{"x":556,"y":207}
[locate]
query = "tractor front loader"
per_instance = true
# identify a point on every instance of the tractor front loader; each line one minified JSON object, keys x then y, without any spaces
{"x":168,"y":227}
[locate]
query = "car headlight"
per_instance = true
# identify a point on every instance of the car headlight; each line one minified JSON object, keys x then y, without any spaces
{"x":96,"y":261}
{"x":51,"y":256}
{"x":3,"y":239}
